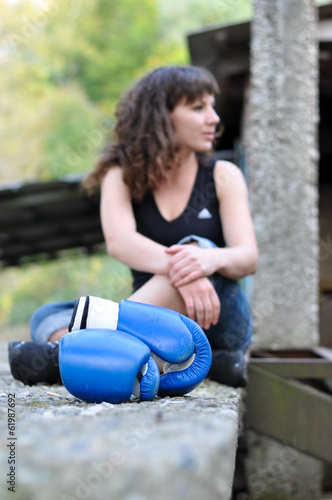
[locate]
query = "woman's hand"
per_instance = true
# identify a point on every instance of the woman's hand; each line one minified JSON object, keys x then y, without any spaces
{"x":201,"y":301}
{"x":189,"y":262}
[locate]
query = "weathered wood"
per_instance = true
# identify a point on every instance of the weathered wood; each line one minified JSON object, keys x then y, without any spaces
{"x":289,"y":411}
{"x":44,"y":219}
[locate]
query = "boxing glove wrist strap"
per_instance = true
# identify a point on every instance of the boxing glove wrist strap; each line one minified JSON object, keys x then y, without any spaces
{"x":97,"y":317}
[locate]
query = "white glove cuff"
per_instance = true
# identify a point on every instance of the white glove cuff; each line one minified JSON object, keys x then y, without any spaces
{"x":76,"y":319}
{"x":95,"y":312}
{"x":102,"y":313}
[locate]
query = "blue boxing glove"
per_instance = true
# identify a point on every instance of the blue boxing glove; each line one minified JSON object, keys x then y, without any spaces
{"x":103,"y":365}
{"x":175,"y":340}
{"x":179,"y":379}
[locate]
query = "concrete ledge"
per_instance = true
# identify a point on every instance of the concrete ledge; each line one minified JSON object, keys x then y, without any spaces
{"x":179,"y":448}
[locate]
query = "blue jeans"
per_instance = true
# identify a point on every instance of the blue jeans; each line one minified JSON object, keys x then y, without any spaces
{"x":49,"y":318}
{"x":233,"y":331}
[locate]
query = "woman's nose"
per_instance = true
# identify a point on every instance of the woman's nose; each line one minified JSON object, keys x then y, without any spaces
{"x":213,"y":117}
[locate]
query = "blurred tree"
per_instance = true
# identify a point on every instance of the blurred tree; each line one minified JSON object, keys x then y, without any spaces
{"x":179,"y":18}
{"x":101,"y":46}
{"x":64,"y":66}
{"x":75,"y":130}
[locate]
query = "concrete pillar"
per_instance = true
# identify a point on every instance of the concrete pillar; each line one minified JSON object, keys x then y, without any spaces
{"x":279,"y":472}
{"x":284,"y":192}
{"x":283,"y":162}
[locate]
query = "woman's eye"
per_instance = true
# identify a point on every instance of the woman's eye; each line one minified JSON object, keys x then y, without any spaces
{"x":198,"y":108}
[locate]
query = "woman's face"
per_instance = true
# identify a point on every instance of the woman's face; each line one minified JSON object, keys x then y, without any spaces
{"x":195,"y":123}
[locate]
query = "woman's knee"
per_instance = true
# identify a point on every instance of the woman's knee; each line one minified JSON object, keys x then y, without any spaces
{"x":160,"y":292}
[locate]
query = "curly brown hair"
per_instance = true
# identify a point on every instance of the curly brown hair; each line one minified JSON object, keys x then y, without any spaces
{"x":145,"y":144}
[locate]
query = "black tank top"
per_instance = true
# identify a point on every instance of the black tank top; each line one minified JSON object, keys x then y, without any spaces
{"x":200,"y":217}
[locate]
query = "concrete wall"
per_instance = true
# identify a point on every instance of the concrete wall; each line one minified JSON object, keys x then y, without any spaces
{"x":283,"y":168}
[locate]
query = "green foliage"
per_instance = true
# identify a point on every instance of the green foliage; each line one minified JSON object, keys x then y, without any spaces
{"x":65,"y":65}
{"x":103,"y":48}
{"x":75,"y":132}
{"x":65,"y":279}
{"x":189,"y":15}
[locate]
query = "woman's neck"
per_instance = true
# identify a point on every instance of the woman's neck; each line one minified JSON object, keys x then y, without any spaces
{"x":187,"y":162}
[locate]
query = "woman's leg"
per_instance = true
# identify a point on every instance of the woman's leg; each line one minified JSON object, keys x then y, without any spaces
{"x":233,"y":331}
{"x":49,"y":322}
{"x":159,"y":291}
{"x":37,"y":361}
{"x":231,"y":337}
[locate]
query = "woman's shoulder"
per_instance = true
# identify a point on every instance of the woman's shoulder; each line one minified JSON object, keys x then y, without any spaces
{"x":228,"y":177}
{"x":226,"y":166}
{"x":113,"y":179}
{"x":113,"y":172}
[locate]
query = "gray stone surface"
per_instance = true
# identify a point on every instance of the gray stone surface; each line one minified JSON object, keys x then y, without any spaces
{"x":179,"y":448}
{"x":283,"y":170}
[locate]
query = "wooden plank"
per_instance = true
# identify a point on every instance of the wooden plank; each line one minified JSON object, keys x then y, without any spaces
{"x":296,"y":368}
{"x":291,"y":412}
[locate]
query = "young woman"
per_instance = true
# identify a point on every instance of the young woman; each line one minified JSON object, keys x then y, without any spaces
{"x":179,"y":219}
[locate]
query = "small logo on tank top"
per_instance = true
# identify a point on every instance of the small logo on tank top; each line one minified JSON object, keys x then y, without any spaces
{"x":204,"y":214}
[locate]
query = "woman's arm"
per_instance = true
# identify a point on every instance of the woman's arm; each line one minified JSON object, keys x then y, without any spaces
{"x":240,"y":258}
{"x":189,"y":262}
{"x":119,"y":227}
{"x":135,"y":250}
